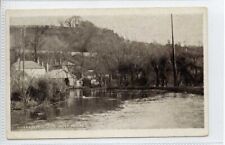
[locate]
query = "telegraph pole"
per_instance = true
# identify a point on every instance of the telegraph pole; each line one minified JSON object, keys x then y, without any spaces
{"x":24,"y":45}
{"x":23,"y":65}
{"x":173,"y":55}
{"x":20,"y":47}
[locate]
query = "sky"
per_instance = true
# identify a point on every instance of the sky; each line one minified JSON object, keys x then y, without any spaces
{"x":188,"y":28}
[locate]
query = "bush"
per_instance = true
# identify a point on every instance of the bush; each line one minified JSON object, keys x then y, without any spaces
{"x":56,"y":90}
{"x":47,"y":89}
{"x":18,"y":85}
{"x":86,"y":82}
{"x":36,"y":89}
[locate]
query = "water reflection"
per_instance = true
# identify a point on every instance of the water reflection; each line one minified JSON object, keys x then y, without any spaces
{"x":140,"y":105}
{"x":81,"y":101}
{"x":77,"y":102}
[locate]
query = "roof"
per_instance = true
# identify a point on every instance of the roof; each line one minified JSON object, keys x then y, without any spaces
{"x":28,"y":65}
{"x":58,"y":74}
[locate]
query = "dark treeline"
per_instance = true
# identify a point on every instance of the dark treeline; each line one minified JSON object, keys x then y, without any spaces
{"x":118,"y":61}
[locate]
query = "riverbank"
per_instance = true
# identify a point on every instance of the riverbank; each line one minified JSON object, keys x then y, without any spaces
{"x":193,"y":90}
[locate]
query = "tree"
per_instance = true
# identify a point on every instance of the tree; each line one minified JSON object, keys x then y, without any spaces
{"x":82,"y":33}
{"x":37,"y":42}
{"x":155,"y":66}
{"x":183,"y":69}
{"x":73,"y":21}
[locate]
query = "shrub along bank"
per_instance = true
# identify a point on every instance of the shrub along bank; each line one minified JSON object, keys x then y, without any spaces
{"x":30,"y":92}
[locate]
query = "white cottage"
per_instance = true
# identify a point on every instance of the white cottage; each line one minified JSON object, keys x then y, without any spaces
{"x":31,"y":68}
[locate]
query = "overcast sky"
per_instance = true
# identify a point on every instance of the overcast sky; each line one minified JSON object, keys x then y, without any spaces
{"x":188,"y":28}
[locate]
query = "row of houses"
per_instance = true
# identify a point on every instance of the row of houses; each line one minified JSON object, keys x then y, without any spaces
{"x":38,"y":70}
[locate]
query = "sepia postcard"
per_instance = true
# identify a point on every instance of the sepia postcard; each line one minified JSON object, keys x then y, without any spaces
{"x":116,"y":72}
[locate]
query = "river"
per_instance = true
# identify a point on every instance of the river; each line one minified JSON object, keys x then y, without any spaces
{"x":116,"y":110}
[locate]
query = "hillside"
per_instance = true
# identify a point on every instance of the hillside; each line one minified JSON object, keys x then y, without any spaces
{"x":85,"y":37}
{"x":130,"y":62}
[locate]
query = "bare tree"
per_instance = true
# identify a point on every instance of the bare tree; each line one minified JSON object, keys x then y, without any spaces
{"x":37,"y":42}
